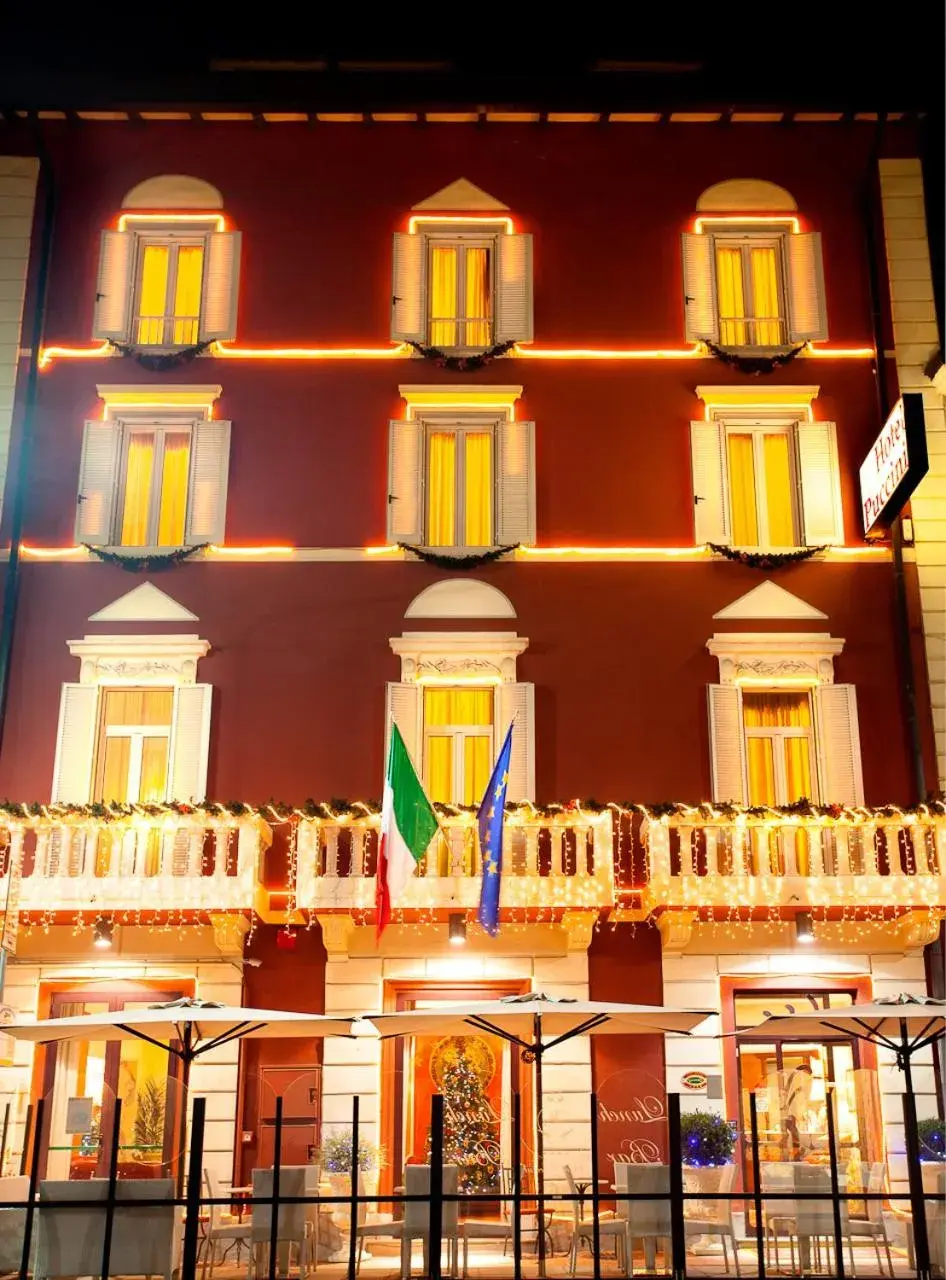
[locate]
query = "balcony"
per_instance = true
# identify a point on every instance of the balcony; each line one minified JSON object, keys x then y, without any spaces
{"x":197,"y":862}
{"x":743,"y":862}
{"x":561,"y":862}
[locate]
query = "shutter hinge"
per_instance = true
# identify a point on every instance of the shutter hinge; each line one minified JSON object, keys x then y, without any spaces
{"x":697,"y":498}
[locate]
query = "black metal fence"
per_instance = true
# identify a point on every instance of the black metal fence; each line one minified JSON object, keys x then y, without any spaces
{"x":583,"y":1218}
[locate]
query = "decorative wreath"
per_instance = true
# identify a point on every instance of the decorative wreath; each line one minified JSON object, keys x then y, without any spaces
{"x":160,"y":361}
{"x":754,"y":365}
{"x":154,"y":563}
{"x":462,"y":364}
{"x":764,"y":559}
{"x":457,"y":562}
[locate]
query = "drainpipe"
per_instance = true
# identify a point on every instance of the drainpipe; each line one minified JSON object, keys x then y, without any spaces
{"x":902,"y":615}
{"x":16,"y":490}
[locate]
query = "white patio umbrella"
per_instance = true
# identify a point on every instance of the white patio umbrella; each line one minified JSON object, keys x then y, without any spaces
{"x":535,"y":1023}
{"x":187,"y":1029}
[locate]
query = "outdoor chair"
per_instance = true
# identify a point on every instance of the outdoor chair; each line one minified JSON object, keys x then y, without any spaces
{"x":69,"y":1240}
{"x":646,"y":1220}
{"x":221,"y":1227}
{"x":12,"y":1222}
{"x":815,"y":1218}
{"x":715,"y":1217}
{"x":293,"y":1227}
{"x":873,"y":1227}
{"x":779,"y":1215}
{"x":583,"y":1228}
{"x":484,"y":1229}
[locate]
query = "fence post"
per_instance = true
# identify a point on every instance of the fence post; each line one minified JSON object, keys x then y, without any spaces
{"x":756,"y":1181}
{"x":274,"y":1209}
{"x":192,"y":1200}
{"x":595,"y":1196}
{"x":27,"y":1133}
{"x":34,"y":1183}
{"x":355,"y":1175}
{"x":3,"y":1138}
{"x":435,"y":1231}
{"x":921,"y":1239}
{"x":517,"y":1187}
{"x":835,"y":1185}
{"x":678,"y":1247}
{"x":112,"y":1188}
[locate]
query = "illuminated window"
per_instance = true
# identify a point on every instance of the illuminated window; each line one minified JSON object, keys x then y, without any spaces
{"x":750,"y":292}
{"x":762,"y":486}
{"x":459,"y":487}
{"x":153,"y":482}
{"x":779,"y":746}
{"x":169,"y":283}
{"x":460,"y":296}
{"x":133,"y":745}
{"x":458,"y":743}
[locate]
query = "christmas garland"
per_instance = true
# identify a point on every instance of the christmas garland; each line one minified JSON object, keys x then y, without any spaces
{"x":754,"y":365}
{"x":764,"y":559}
{"x":462,"y":364}
{"x":457,"y":562}
{"x":153,"y":563}
{"x":161,"y":361}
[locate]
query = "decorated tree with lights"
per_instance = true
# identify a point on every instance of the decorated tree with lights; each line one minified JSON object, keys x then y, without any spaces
{"x":469,"y":1126}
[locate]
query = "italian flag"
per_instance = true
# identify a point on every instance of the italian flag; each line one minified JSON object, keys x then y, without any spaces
{"x":408,"y":824}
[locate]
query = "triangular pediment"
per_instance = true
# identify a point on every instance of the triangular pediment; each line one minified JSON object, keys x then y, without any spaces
{"x":461,"y":197}
{"x":769,"y":601}
{"x":145,"y":603}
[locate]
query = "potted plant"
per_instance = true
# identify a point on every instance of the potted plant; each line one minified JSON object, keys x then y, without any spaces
{"x":707,"y":1142}
{"x":932,"y":1139}
{"x":335,"y":1160}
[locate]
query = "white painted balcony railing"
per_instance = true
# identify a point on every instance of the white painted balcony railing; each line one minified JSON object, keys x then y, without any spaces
{"x":197,"y":862}
{"x":564,"y":861}
{"x":751,"y":861}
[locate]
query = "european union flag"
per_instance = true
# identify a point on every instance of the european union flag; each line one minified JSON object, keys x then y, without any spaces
{"x":490,"y":823}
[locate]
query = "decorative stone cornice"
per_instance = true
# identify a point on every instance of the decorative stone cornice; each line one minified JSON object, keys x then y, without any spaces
{"x":676,"y":929}
{"x":775,"y":656}
{"x":434,"y":656}
{"x":139,"y":659}
{"x":579,"y":927}
{"x":230,"y":931}
{"x":337,"y":931}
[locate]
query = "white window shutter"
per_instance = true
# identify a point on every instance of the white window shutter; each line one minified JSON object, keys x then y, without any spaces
{"x":699,"y":288}
{"x":807,"y":320}
{"x":98,"y":478}
{"x":820,"y":475}
{"x":403,"y":708}
{"x":207,"y":495}
{"x":75,"y":744}
{"x":516,"y":484}
{"x":727,"y":743}
{"x":113,"y":286}
{"x":408,"y":288}
{"x":514,"y":289}
{"x":839,"y":745}
{"x":710,"y":489}
{"x":190,"y":743}
{"x":221,"y":287}
{"x":517,"y":707}
{"x":406,"y":482}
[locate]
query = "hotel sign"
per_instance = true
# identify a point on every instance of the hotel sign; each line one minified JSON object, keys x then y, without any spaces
{"x":895,"y":465}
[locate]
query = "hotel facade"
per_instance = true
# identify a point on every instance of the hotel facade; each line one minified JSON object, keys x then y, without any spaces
{"x":315,"y":424}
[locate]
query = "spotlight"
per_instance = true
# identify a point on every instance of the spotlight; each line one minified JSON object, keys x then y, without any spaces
{"x":804,"y":930}
{"x":102,"y":932}
{"x":457,"y":930}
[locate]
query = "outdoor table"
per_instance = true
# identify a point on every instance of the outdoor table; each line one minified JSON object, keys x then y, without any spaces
{"x":240,"y":1196}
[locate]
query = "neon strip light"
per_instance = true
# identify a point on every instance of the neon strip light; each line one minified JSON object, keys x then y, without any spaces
{"x":51,"y":553}
{"x":694,"y":352}
{"x":252,"y":551}
{"x":400,"y":351}
{"x":217,"y":218}
{"x":418,"y":219}
{"x":610,"y":551}
{"x":758,"y":219}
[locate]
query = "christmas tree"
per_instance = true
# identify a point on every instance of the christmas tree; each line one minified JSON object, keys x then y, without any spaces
{"x":469,"y":1126}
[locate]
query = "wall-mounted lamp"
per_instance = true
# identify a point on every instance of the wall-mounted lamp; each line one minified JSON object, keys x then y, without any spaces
{"x":457,"y":933}
{"x":804,"y":930}
{"x":102,"y":932}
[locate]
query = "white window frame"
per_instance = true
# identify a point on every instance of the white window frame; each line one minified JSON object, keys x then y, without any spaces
{"x":137,"y":734}
{"x":746,"y":238}
{"x":173,"y":241}
{"x":451,"y":238}
{"x":461,"y":425}
{"x":159,"y":427}
{"x":459,"y":734}
{"x":758,"y":428}
{"x":780,"y":734}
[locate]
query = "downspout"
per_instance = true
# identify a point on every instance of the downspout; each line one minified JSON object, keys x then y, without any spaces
{"x":45,"y":193}
{"x":902,"y":615}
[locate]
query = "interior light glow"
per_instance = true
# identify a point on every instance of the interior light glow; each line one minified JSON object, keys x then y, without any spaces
{"x":804,"y":929}
{"x":217,"y":218}
{"x":418,"y":219}
{"x":205,"y":407}
{"x":476,"y":681}
{"x":507,"y":407}
{"x":760,"y":219}
{"x":457,"y":929}
{"x":716,"y":408}
{"x":102,"y":932}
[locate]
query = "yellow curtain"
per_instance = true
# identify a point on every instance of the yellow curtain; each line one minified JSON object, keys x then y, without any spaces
{"x":443,"y":296}
{"x":114,"y":785}
{"x":778,"y":711}
{"x":190,"y":270}
{"x":479,"y":489}
{"x":476,"y":768}
{"x":138,"y":469}
{"x":439,"y":769}
{"x":473,"y":707}
{"x":778,"y":489}
{"x":442,"y":489}
{"x":153,"y":294}
{"x":742,"y":498}
{"x":154,"y":770}
{"x":477,"y":301}
{"x":729,"y":296}
{"x":772,"y":710}
{"x":760,"y":760}
{"x":763,"y":272}
{"x":176,"y":463}
{"x":453,"y":708}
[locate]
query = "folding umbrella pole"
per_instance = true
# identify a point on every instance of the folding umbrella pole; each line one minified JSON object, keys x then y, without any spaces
{"x":539,"y":1141}
{"x":187,"y":1057}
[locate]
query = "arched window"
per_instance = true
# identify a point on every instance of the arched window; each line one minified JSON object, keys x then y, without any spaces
{"x":751,"y":278}
{"x":168,"y":275}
